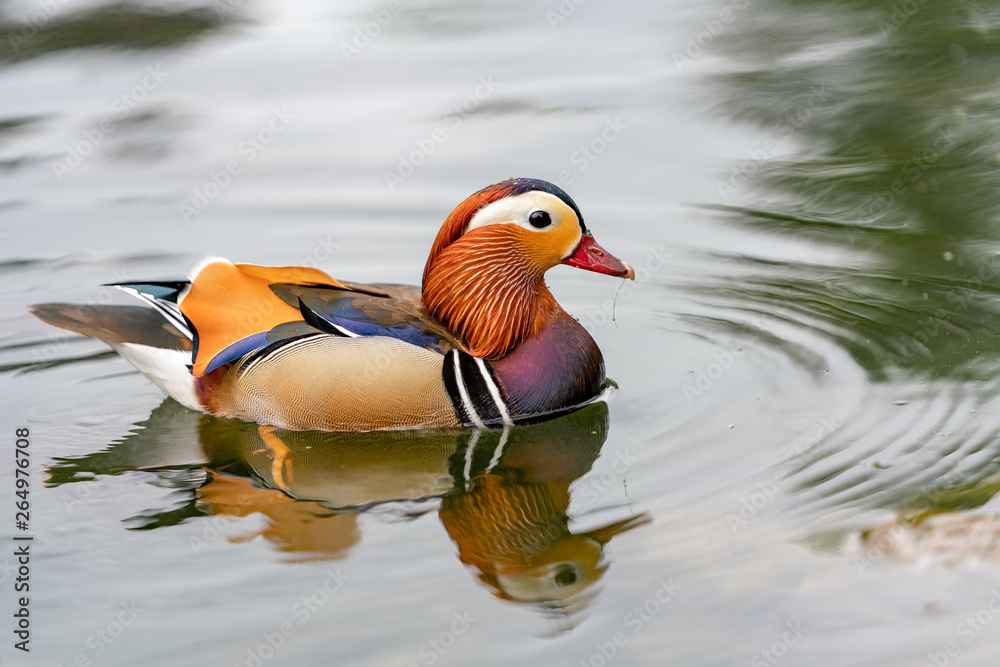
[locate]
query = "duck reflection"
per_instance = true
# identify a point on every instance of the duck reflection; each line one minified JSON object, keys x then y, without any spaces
{"x":510,"y":523}
{"x":502,"y":496}
{"x":516,"y":536}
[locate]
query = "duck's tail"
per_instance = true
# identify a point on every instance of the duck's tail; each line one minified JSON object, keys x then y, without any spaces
{"x":153,"y":341}
{"x":115,"y":324}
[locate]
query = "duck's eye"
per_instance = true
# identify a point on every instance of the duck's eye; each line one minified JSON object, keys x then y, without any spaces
{"x":566,"y":576}
{"x":539,"y":219}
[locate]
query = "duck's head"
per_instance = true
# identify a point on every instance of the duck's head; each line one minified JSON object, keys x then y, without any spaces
{"x":483,"y":277}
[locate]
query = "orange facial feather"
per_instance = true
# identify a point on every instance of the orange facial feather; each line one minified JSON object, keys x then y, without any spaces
{"x":455,"y":224}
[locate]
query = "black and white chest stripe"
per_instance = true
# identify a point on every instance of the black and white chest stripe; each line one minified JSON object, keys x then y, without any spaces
{"x":474,"y":391}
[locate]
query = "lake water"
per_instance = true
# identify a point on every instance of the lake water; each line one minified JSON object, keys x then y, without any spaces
{"x":799,"y":466}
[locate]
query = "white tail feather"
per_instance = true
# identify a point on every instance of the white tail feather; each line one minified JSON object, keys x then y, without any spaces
{"x":167,"y":369}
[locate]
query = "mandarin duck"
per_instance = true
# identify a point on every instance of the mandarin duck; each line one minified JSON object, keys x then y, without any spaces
{"x":482,"y":343}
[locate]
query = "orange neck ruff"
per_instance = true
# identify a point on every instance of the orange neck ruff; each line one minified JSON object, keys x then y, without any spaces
{"x":488,"y":289}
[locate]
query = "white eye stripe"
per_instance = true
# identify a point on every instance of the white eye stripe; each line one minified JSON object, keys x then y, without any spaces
{"x":516,"y":209}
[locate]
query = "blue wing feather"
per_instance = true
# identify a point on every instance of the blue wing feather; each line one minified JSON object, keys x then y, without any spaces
{"x":238,"y":349}
{"x":403,"y":330}
{"x":346,"y":312}
{"x":259,"y":341}
{"x":394,"y":313}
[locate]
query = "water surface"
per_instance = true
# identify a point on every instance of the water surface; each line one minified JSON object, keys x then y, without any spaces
{"x":799,"y":465}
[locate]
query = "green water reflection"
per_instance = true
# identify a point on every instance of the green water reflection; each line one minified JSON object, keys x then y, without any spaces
{"x":880,"y":142}
{"x":118,"y":25}
{"x":880,"y":150}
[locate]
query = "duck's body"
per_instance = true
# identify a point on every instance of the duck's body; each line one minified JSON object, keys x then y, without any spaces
{"x":481,"y":343}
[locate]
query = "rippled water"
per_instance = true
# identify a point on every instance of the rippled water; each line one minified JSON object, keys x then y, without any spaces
{"x":799,"y":465}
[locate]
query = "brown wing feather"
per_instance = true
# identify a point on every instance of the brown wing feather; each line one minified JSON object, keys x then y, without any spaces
{"x":384,"y":305}
{"x":114,"y":324}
